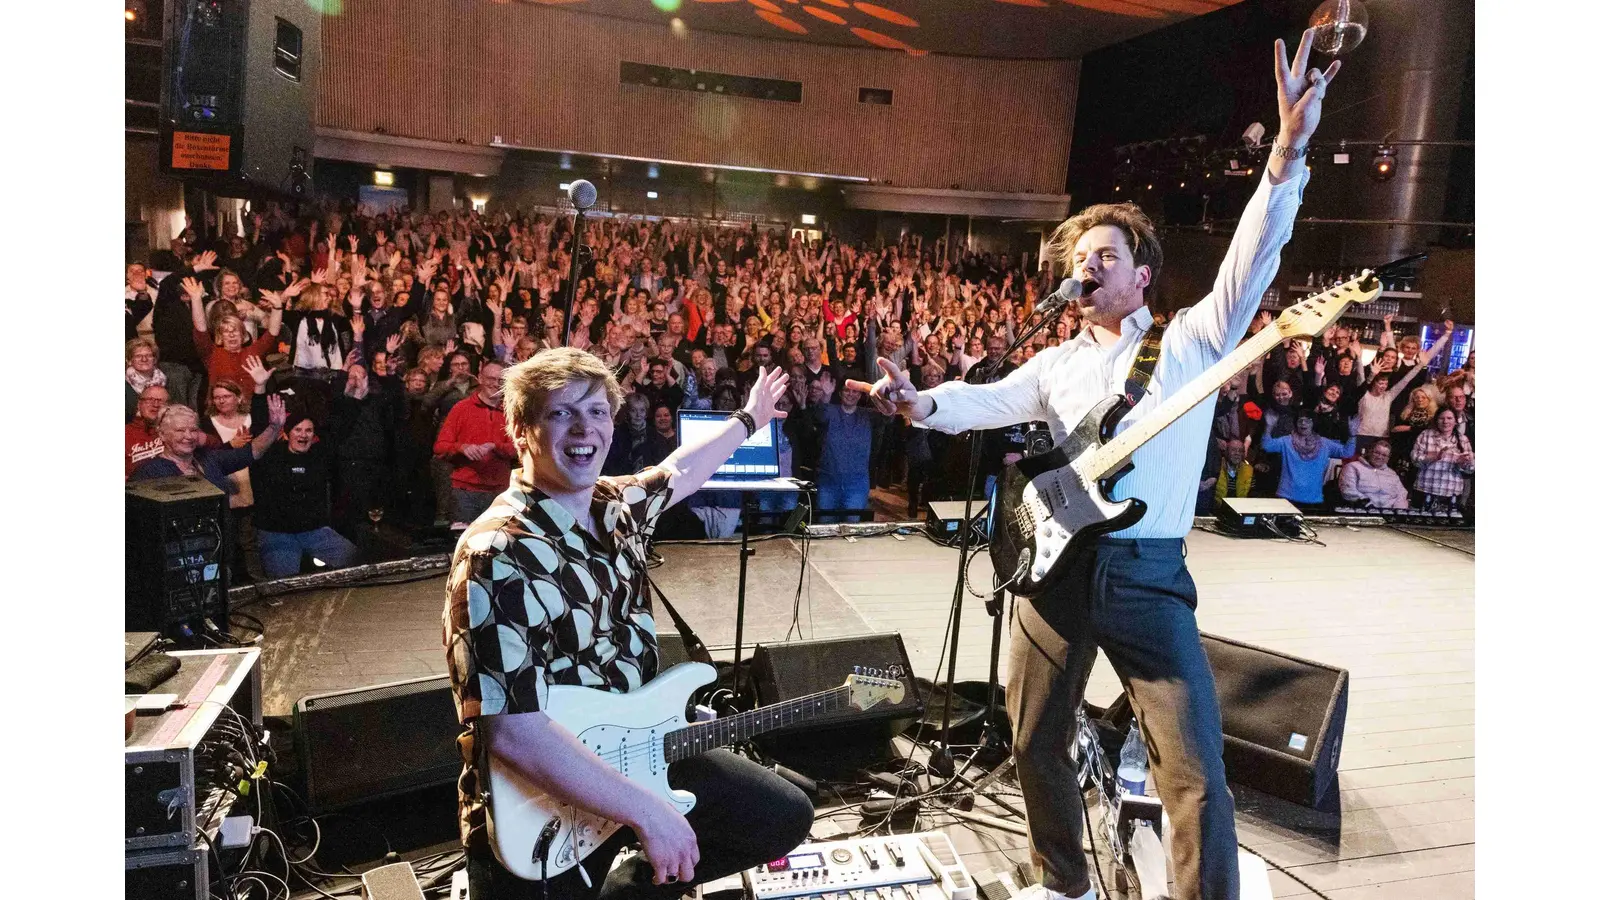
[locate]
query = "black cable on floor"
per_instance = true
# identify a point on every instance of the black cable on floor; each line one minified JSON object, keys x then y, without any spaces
{"x":1293,"y":877}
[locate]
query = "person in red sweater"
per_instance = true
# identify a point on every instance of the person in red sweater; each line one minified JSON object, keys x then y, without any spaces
{"x":141,"y":438}
{"x":224,"y":357}
{"x":473,"y":439}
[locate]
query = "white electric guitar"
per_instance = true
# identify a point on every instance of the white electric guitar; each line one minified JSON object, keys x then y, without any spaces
{"x":639,"y":734}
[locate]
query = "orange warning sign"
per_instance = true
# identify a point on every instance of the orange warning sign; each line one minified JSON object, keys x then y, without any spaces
{"x":192,"y":150}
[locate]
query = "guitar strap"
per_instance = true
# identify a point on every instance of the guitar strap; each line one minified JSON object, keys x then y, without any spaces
{"x":692,"y":644}
{"x":1144,"y":364}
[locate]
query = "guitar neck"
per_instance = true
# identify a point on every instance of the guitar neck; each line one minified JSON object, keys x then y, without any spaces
{"x":692,"y":740}
{"x":1116,"y":451}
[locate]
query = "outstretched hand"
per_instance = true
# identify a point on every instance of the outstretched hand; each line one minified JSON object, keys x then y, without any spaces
{"x":765,"y":394}
{"x":892,"y":393}
{"x":1300,"y":91}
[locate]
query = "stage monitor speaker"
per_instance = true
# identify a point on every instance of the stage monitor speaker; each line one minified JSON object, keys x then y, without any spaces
{"x":238,"y":86}
{"x":378,"y":741}
{"x":671,"y":650}
{"x":797,"y":668}
{"x":1282,"y":720}
{"x":836,"y":746}
{"x":176,"y":553}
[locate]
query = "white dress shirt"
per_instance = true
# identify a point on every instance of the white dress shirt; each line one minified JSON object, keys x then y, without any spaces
{"x":1061,"y":384}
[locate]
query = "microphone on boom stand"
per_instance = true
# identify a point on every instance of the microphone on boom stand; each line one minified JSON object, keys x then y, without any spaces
{"x":582,"y":195}
{"x":941,"y":761}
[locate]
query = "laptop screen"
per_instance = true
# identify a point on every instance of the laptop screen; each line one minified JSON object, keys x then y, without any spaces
{"x":757,"y":457}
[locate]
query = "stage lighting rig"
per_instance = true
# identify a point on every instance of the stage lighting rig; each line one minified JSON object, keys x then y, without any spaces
{"x":1383,"y":163}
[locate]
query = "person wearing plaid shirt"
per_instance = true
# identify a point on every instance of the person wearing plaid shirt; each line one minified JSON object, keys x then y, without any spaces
{"x":547,"y":587}
{"x":1442,"y":457}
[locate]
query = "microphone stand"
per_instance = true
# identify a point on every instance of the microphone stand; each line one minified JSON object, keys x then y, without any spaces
{"x":941,"y":761}
{"x":578,"y":249}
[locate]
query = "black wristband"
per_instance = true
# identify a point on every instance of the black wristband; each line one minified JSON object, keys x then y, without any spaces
{"x":749,"y":422}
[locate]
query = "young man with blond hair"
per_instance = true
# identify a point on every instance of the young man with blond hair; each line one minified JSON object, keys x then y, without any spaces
{"x":547,"y":587}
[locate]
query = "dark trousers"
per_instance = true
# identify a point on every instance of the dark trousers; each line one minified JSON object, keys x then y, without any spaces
{"x":744,"y":815}
{"x":1133,"y":599}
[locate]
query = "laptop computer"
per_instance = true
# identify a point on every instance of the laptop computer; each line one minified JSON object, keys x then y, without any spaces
{"x":752,"y":467}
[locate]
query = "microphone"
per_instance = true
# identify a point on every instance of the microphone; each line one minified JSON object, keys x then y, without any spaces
{"x":582,"y":194}
{"x":1070,"y":290}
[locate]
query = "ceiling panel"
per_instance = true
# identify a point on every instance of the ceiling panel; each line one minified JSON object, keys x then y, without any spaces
{"x":997,"y":29}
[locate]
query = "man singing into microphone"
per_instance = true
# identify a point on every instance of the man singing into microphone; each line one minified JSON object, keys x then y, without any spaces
{"x":1132,"y":595}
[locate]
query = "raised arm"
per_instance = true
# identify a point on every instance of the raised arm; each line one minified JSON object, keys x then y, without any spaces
{"x":276,"y":416}
{"x":1218,"y":322}
{"x":196,"y":292}
{"x":956,"y":406}
{"x":694,"y":463}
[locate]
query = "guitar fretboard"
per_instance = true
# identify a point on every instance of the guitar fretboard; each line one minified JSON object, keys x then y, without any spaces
{"x":693,"y":740}
{"x":1113,"y":453}
{"x":1306,"y":319}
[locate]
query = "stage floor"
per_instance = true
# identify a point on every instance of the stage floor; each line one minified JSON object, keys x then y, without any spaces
{"x":1393,"y":607}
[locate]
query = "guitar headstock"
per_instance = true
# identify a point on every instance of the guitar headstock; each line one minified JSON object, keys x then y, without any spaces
{"x":1312,"y":316}
{"x":869,"y":687}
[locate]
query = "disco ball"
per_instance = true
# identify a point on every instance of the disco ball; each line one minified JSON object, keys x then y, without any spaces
{"x":1338,"y":26}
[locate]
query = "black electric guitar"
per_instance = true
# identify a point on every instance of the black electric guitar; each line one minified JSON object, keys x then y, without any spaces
{"x":1053,"y":504}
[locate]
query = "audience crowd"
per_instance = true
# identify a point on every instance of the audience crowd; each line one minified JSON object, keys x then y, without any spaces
{"x":334,"y":372}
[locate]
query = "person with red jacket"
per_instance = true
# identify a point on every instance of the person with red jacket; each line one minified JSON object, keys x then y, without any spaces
{"x":473,"y":439}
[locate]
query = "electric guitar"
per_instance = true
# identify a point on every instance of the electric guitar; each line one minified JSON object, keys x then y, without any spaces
{"x":1054,"y":504}
{"x":639,"y":734}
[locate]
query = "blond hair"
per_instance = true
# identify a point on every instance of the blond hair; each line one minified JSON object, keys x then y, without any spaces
{"x":138,"y":343}
{"x":527,"y":386}
{"x":1135,"y":226}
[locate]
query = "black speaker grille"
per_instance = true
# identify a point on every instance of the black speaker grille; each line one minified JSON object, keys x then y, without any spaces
{"x":1282,"y":718}
{"x":786,"y":671}
{"x":377,"y":741}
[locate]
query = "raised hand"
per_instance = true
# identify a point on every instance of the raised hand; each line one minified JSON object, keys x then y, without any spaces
{"x":392,"y":344}
{"x":274,"y":298}
{"x":277,"y":413}
{"x":1300,"y":91}
{"x":256,"y":369}
{"x":194,"y":289}
{"x":319,"y":276}
{"x":765,"y":394}
{"x":295,"y":289}
{"x":206,"y":260}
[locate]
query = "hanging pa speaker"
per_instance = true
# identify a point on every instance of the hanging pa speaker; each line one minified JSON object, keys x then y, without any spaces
{"x":238,"y":86}
{"x":1282,"y":720}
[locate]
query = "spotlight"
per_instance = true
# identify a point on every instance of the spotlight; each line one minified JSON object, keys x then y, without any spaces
{"x":1383,"y":164}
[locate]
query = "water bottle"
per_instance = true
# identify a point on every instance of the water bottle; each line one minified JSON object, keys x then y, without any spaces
{"x":1133,"y":765}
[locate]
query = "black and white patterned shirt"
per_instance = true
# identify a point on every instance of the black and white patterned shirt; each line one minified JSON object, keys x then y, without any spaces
{"x":534,"y":599}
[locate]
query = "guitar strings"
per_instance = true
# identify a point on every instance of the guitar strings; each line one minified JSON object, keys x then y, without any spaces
{"x":631,"y":754}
